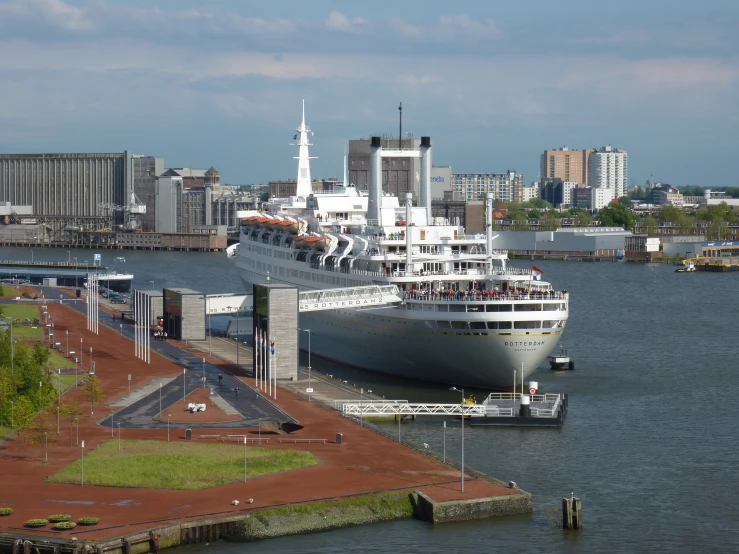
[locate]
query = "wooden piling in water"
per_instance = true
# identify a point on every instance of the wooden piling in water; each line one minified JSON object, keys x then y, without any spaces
{"x":571,"y":513}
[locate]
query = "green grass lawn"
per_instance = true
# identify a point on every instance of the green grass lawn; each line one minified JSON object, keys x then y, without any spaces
{"x":28,"y":332}
{"x":57,"y":360}
{"x":178,"y":465}
{"x":5,"y":432}
{"x":22,"y":311}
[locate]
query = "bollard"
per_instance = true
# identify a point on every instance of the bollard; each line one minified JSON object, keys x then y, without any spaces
{"x":571,"y":513}
{"x":339,"y":438}
{"x":525,"y":409}
{"x":188,"y":434}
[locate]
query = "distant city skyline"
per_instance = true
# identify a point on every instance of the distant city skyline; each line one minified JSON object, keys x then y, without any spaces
{"x":221,"y":82}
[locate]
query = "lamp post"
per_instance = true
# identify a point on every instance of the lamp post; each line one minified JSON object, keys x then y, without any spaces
{"x":168,"y":416}
{"x":67,"y":333}
{"x":76,"y":276}
{"x":237,"y":335}
{"x":82,"y":480}
{"x":160,"y":398}
{"x":12,"y":415}
{"x":152,"y":285}
{"x":112,"y":424}
{"x":244,"y":459}
{"x":119,"y":436}
{"x":184,"y":385}
{"x":309,"y":368}
{"x":12,"y":350}
{"x":445,"y":442}
{"x":69,"y":257}
{"x":77,"y":424}
{"x":462,"y":474}
{"x":31,"y":256}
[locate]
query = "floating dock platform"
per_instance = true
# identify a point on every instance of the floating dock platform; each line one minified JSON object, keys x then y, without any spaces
{"x":510,"y":409}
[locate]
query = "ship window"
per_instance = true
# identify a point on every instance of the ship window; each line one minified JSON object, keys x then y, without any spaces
{"x":492,"y":324}
{"x":477,"y":325}
{"x":549,"y":324}
{"x":475,"y":308}
{"x":549,"y":307}
{"x":528,"y":308}
{"x":457,"y":308}
{"x":505,"y":325}
{"x":443,"y":324}
{"x":527,"y":325}
{"x":459,"y":325}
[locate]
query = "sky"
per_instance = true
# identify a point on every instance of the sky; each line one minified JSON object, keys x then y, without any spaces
{"x":493,"y":82}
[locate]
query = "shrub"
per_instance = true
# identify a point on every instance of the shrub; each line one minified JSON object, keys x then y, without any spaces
{"x":6,"y":511}
{"x":36,"y":522}
{"x":58,"y":518}
{"x":88,"y":520}
{"x":65,"y":525}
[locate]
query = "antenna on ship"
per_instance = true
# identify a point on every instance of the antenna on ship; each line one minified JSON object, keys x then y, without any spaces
{"x":345,"y":163}
{"x":400,"y":130}
{"x":303,"y":185}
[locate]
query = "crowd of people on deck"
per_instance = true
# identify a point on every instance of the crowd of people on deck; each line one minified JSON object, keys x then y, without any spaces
{"x":478,"y":295}
{"x":160,"y":335}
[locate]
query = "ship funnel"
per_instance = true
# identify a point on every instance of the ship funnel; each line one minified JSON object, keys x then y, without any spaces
{"x":375,"y":183}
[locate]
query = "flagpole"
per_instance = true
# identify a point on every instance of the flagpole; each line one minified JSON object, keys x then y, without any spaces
{"x":275,"y":371}
{"x":264,"y":362}
{"x":269,"y":353}
{"x":256,"y":353}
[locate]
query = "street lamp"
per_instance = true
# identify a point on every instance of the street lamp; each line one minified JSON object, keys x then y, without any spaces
{"x":77,"y":423}
{"x":184,"y":384}
{"x":152,"y":285}
{"x":12,"y":349}
{"x":309,"y":368}
{"x":244,"y":459}
{"x":69,"y":257}
{"x":168,"y":416}
{"x":119,"y":436}
{"x":82,"y":481}
{"x":112,"y":425}
{"x":67,"y":333}
{"x":462,"y":391}
{"x":31,"y":256}
{"x":76,"y":276}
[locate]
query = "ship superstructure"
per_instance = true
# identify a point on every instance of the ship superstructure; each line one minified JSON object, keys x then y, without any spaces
{"x":467,"y":318}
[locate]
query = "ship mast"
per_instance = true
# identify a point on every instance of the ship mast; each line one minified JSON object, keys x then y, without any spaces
{"x":304,"y":187}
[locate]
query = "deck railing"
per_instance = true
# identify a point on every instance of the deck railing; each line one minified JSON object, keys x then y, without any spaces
{"x":460,"y":296}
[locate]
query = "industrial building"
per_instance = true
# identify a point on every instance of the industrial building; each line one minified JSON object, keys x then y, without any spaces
{"x":565,"y":242}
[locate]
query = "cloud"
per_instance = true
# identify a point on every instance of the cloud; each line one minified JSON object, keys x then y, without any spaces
{"x":340,"y":22}
{"x":54,"y":13}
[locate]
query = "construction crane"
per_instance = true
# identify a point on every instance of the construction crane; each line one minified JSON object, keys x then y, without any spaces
{"x":135,"y":210}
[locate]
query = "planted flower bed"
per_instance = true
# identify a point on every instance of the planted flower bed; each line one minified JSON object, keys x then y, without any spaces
{"x":88,"y":520}
{"x":65,"y":525}
{"x":6,"y":511}
{"x":37,"y":522}
{"x":59,"y":518}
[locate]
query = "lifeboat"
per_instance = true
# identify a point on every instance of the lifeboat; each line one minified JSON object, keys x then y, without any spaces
{"x":400,"y":223}
{"x":299,"y":242}
{"x":317,"y":243}
{"x":262,"y":221}
{"x":251,"y":220}
{"x":289,"y":225}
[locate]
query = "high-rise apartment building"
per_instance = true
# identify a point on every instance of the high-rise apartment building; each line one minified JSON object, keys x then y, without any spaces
{"x":506,"y":187}
{"x":609,"y":168}
{"x":563,"y":163}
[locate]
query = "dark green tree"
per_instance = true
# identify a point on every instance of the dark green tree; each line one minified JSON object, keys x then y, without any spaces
{"x":616,"y":215}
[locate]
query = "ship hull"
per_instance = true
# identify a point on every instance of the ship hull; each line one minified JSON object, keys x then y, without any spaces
{"x":383,"y":341}
{"x":64,"y":277}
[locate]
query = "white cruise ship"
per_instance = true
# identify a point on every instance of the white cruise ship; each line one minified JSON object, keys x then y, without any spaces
{"x":467,"y":318}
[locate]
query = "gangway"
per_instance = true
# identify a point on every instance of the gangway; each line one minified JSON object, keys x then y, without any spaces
{"x":514,"y":409}
{"x":390,"y":407}
{"x":351,"y":297}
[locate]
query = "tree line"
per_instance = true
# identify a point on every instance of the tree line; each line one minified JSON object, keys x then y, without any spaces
{"x":30,"y":394}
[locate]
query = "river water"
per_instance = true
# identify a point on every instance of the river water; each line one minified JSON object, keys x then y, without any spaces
{"x":649,"y":445}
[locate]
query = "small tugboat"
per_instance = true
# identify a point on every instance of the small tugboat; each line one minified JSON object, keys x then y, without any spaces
{"x":687,"y":267}
{"x":120,"y":259}
{"x":561,"y":361}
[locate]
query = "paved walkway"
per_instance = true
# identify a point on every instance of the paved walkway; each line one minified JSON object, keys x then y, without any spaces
{"x":198,"y":372}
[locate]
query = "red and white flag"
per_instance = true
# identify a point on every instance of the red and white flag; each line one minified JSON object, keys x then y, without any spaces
{"x":536,"y":273}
